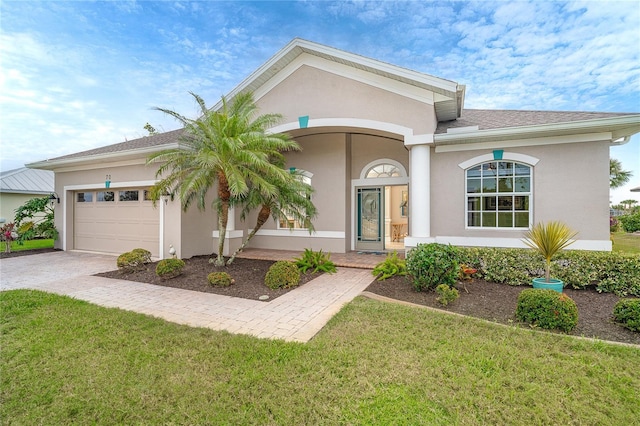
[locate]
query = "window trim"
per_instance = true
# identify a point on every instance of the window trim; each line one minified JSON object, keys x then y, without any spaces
{"x":488,"y":159}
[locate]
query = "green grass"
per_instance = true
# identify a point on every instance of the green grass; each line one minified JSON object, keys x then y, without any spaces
{"x":626,"y":242}
{"x":66,"y":361}
{"x":28,"y":245}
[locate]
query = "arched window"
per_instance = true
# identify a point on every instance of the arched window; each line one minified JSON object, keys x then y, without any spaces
{"x":498,"y":195}
{"x":383,"y":170}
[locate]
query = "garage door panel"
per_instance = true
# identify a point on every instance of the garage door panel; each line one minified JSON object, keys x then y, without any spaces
{"x":116,"y":226}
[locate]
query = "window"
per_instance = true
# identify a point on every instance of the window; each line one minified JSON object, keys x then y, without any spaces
{"x":291,"y":222}
{"x":128,"y":195}
{"x":84,"y":197}
{"x":498,"y":195}
{"x":102,"y":196}
{"x":383,"y":170}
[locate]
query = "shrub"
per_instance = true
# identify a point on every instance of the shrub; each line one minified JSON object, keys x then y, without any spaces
{"x":317,"y":261}
{"x":627,"y":313}
{"x":169,"y":268}
{"x":282,"y":274}
{"x":547,"y":309}
{"x":630,"y":223}
{"x":429,"y":265}
{"x":613,"y":224}
{"x":446,"y":294}
{"x":133,"y":260}
{"x":220,"y":279}
{"x":611,"y":272}
{"x":390,"y":267}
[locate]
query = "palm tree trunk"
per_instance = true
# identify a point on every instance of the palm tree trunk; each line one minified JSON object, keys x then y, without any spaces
{"x":223,"y":216}
{"x":263,"y":216}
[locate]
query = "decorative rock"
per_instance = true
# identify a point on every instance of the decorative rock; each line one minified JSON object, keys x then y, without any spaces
{"x":263,"y":297}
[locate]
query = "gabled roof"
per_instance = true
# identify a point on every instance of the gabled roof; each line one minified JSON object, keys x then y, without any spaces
{"x":26,"y":181}
{"x":448,"y":105}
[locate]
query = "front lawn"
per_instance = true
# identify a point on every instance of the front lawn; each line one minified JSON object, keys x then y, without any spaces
{"x":626,"y":242}
{"x":66,"y":361}
{"x":28,"y":245}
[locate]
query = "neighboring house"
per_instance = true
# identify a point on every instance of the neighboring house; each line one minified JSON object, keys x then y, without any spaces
{"x":393,"y":156}
{"x":19,"y":186}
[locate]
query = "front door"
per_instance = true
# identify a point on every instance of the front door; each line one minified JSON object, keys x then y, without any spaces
{"x":370,"y":230}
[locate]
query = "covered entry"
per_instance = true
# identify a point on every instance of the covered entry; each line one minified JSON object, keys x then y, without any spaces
{"x":115,"y":221}
{"x":381,"y":207}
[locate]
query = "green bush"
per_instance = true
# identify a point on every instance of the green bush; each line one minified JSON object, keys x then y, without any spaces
{"x":429,"y":265}
{"x":282,"y":274}
{"x":220,"y":279}
{"x":630,"y":223}
{"x":390,"y":267}
{"x":133,"y":260}
{"x":611,"y":272}
{"x":627,"y":313}
{"x":169,"y":268}
{"x":547,"y":309}
{"x":316,"y":261}
{"x":446,"y":294}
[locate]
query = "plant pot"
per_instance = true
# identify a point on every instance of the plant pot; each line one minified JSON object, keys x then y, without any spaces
{"x":552,"y":284}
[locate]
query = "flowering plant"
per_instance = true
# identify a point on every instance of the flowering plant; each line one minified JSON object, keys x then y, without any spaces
{"x":8,"y":234}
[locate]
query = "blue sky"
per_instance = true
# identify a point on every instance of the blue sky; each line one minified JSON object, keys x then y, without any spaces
{"x":77,"y":75}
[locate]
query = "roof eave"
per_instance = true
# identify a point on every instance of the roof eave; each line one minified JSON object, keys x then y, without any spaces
{"x":131,"y":154}
{"x":621,"y":129}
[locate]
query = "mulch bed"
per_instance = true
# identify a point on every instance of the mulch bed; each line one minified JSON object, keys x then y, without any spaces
{"x":248,"y":275}
{"x":481,"y":299}
{"x":5,"y":255}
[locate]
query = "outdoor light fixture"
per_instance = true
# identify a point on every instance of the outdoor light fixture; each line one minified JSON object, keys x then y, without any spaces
{"x":54,"y":197}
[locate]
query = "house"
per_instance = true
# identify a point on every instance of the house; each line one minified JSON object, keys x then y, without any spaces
{"x":394,"y":157}
{"x":19,"y":186}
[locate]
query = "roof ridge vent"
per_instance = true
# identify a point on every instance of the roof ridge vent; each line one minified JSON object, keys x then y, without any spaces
{"x":465,"y":129}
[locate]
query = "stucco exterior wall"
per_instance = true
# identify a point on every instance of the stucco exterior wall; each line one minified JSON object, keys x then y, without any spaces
{"x":368,"y":148}
{"x":569,"y":180}
{"x":321,"y":94}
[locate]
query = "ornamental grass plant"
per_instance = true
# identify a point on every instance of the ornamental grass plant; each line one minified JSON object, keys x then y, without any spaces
{"x":548,"y":239}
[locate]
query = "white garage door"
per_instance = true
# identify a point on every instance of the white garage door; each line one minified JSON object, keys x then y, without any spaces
{"x":115,"y":221}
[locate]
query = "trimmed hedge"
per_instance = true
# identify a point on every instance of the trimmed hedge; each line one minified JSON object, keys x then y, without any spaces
{"x":429,"y":265}
{"x":282,"y":274}
{"x":610,"y":272}
{"x":169,"y":268}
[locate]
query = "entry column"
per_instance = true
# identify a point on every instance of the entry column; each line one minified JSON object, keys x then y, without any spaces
{"x":419,"y":190}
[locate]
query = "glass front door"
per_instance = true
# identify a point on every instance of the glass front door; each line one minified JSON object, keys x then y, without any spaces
{"x":370,"y":232}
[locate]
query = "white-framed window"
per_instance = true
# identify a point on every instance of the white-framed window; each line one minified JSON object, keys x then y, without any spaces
{"x":498,"y":195}
{"x":291,"y":222}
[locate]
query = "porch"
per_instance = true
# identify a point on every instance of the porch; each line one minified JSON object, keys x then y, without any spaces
{"x":352,"y":259}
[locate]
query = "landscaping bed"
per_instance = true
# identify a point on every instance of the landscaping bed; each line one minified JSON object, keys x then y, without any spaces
{"x":481,"y":299}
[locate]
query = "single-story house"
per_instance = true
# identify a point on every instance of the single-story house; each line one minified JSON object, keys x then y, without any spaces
{"x":18,"y":186}
{"x":394,"y":157}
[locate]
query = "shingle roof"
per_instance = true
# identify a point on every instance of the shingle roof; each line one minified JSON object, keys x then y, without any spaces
{"x":144,"y":142}
{"x":499,"y":119}
{"x":27,"y":181}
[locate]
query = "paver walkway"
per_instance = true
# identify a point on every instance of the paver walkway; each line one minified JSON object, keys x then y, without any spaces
{"x":295,"y":316}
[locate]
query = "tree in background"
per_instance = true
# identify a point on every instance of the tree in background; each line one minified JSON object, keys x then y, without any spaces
{"x":617,"y":176}
{"x":229,"y":149}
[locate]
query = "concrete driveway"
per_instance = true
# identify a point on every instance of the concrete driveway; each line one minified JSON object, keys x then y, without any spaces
{"x":295,"y":316}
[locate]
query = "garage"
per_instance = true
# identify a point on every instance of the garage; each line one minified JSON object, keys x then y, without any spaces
{"x":115,"y":221}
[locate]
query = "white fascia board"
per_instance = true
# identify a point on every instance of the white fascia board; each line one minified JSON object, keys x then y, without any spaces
{"x":626,"y":125}
{"x":307,"y":48}
{"x":515,"y":143}
{"x":362,"y":76}
{"x":107,"y":159}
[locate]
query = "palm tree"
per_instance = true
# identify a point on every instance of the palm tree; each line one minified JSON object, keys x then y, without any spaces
{"x":617,"y":176}
{"x":292,"y":201}
{"x":628,"y":204}
{"x":229,"y":147}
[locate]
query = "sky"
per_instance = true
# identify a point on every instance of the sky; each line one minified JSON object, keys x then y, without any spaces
{"x":76,"y":75}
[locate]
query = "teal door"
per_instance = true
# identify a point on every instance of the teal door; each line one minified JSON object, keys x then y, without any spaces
{"x":370,"y":207}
